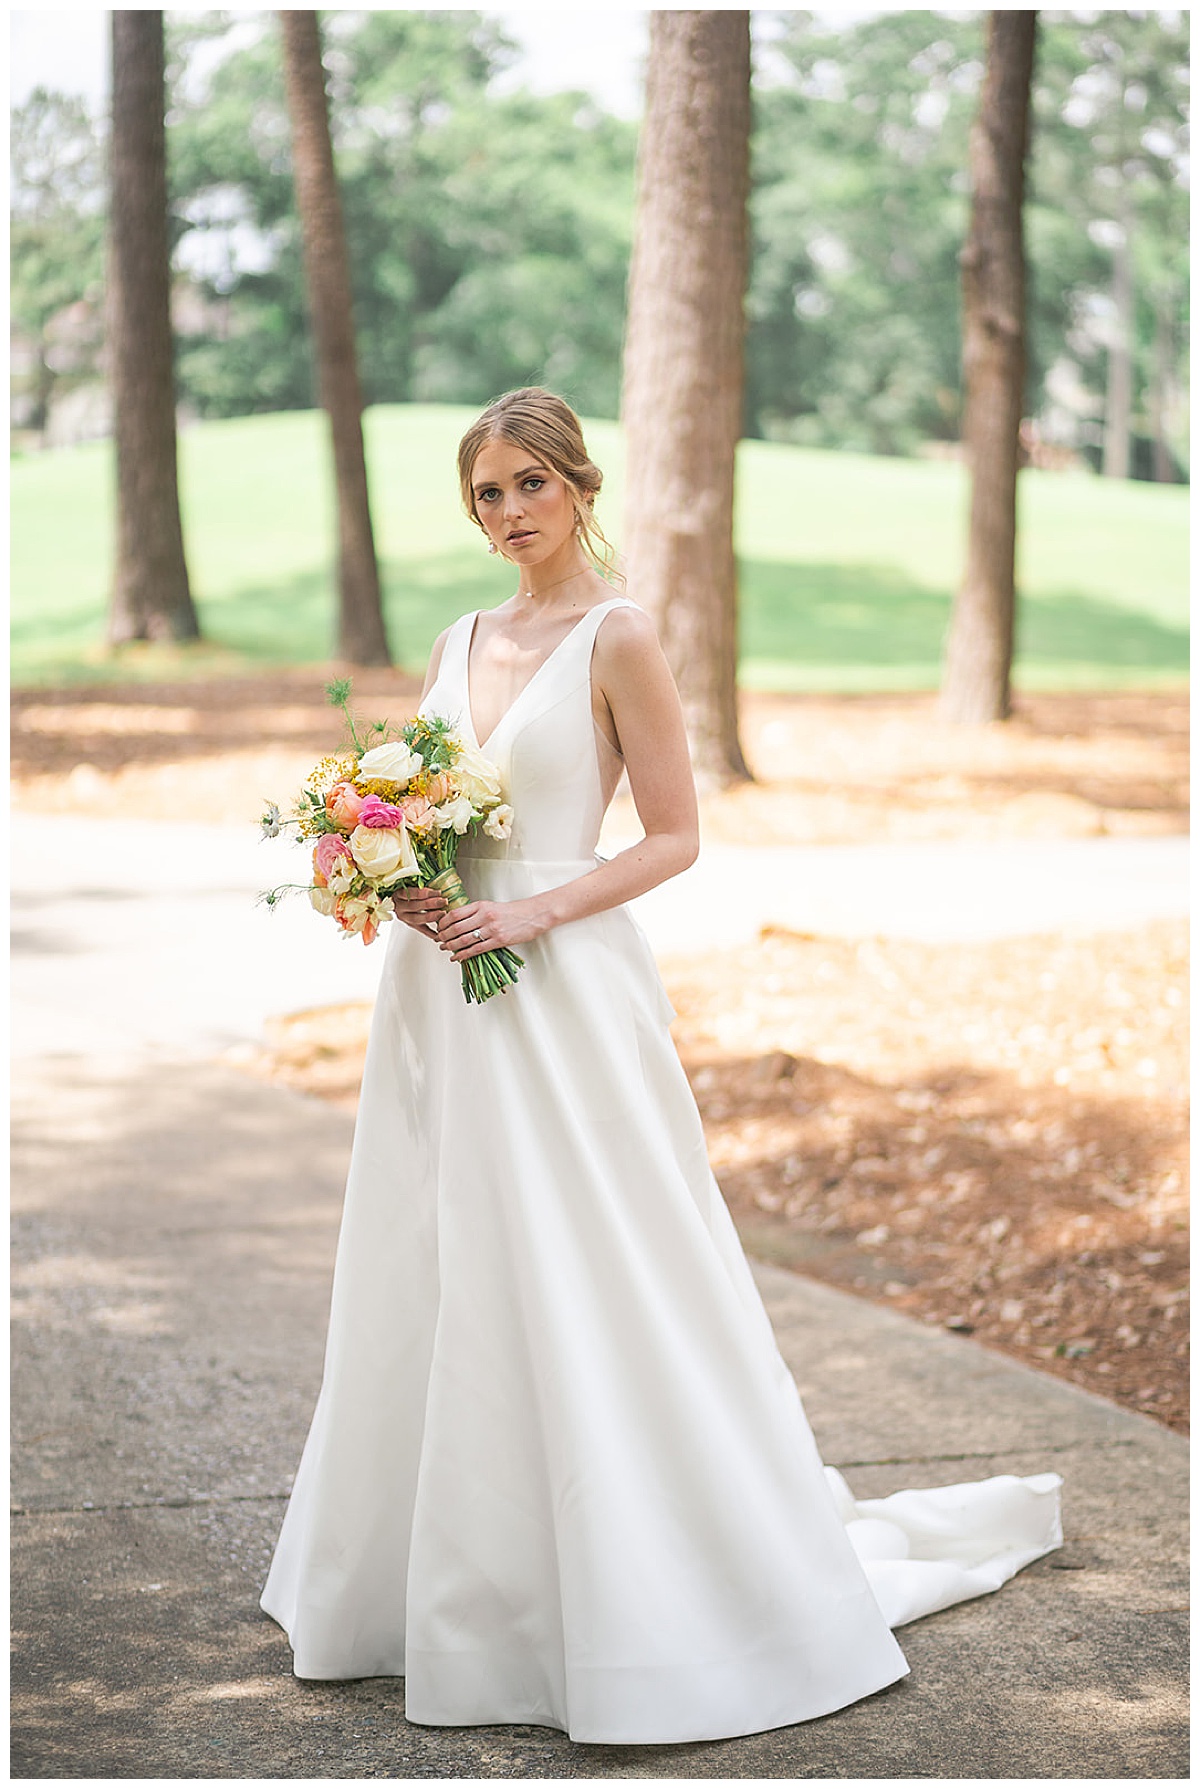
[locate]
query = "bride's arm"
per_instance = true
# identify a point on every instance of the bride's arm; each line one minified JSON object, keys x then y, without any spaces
{"x":630,"y":671}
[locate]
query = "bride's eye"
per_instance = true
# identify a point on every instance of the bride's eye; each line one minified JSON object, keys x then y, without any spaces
{"x":534,"y":484}
{"x":487,"y":496}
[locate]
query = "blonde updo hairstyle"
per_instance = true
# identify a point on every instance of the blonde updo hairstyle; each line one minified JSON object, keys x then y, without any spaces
{"x":548,"y":429}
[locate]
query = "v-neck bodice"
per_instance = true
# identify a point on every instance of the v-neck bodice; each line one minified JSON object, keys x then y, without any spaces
{"x":544,"y":745}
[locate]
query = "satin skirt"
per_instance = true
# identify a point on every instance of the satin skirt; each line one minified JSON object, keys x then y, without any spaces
{"x":558,"y":1471}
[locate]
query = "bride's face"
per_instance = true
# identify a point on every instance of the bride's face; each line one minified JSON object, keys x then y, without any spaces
{"x":524,"y":505}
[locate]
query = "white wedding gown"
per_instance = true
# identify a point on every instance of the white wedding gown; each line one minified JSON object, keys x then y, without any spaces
{"x":558,"y":1471}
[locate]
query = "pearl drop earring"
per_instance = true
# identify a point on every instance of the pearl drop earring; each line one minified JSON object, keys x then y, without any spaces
{"x":492,"y":548}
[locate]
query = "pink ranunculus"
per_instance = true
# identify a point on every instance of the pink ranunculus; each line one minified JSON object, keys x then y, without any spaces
{"x":344,"y":804}
{"x":439,"y":786}
{"x":328,"y":850}
{"x":418,"y":814}
{"x":375,"y":812}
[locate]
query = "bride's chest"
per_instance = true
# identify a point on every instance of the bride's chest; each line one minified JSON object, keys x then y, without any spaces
{"x":498,"y":671}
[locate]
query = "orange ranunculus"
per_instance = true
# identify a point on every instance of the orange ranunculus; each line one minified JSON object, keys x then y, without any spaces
{"x":343,"y":804}
{"x":352,"y":913}
{"x":438,"y":787}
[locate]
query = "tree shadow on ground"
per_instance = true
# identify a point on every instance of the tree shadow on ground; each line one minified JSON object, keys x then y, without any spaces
{"x":972,"y":1199}
{"x":876,"y":616}
{"x":833,"y":622}
{"x":292,"y":621}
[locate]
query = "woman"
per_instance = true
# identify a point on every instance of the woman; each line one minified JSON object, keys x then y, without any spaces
{"x":558,"y":1471}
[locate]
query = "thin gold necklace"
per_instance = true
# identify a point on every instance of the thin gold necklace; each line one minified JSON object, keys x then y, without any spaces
{"x":554,"y":586}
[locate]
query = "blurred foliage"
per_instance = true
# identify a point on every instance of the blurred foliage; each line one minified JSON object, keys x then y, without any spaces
{"x":490,"y":232}
{"x":56,"y":245}
{"x":1111,"y":111}
{"x":488,"y":236}
{"x":861,"y":202}
{"x":860,"y":208}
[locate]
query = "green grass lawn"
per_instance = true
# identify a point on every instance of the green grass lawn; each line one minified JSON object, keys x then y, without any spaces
{"x":848,"y":562}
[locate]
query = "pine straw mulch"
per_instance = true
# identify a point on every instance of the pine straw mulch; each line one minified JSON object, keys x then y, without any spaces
{"x":986,"y":1136}
{"x":832,"y":769}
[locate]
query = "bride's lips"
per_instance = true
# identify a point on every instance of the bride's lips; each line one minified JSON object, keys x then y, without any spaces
{"x":520,"y":536}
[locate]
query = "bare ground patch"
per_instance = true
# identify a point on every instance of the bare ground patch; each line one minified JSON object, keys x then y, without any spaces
{"x":831,"y":769}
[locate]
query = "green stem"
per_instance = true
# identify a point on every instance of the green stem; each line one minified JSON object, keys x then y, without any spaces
{"x":492,"y":970}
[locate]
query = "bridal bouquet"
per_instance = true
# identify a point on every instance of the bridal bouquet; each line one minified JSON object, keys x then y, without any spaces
{"x":393,"y":814}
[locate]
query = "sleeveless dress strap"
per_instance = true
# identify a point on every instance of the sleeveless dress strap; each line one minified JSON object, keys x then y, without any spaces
{"x":585,"y":630}
{"x":457,"y":648}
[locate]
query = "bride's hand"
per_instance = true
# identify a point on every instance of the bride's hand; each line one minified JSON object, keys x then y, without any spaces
{"x":486,"y":925}
{"x":420,"y":908}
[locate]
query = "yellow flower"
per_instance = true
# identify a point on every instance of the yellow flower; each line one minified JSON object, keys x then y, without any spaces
{"x":378,"y":785}
{"x":337,"y":768}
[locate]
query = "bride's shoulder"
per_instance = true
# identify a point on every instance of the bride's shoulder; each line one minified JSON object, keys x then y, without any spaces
{"x":627,"y":656}
{"x":626,"y":630}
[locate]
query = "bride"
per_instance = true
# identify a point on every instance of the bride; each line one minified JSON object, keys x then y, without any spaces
{"x":558,"y":1471}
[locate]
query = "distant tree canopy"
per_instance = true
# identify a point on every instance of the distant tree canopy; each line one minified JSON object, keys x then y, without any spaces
{"x":488,"y":236}
{"x":860,"y":211}
{"x":490,"y":233}
{"x":56,"y":247}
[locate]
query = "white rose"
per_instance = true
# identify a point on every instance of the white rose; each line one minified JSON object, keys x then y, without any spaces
{"x":323,"y":899}
{"x":498,"y":824}
{"x":457,"y":813}
{"x":475,"y":775}
{"x":393,"y":763}
{"x":384,"y":853}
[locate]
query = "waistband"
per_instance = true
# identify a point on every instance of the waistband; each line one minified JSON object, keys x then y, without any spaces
{"x":535,"y":872}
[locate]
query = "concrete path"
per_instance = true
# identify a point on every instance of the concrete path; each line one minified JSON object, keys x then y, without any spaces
{"x":131,"y":936}
{"x":175,"y":1232}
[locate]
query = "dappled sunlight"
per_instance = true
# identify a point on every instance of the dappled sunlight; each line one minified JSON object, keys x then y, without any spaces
{"x":246,"y":1690}
{"x":1127,"y":1712}
{"x":989,"y":1136}
{"x":829,"y":769}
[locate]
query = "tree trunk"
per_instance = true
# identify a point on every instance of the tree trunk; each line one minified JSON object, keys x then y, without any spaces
{"x":979,"y":644}
{"x":151,"y":598}
{"x":684,"y":374}
{"x":44,"y":382}
{"x":1160,"y":389}
{"x":362,"y":637}
{"x":1118,"y":406}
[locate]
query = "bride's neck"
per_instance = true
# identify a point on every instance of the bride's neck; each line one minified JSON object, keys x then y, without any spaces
{"x":542,"y":586}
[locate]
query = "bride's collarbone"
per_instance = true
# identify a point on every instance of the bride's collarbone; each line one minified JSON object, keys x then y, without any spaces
{"x":503,"y":661}
{"x":502,"y":645}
